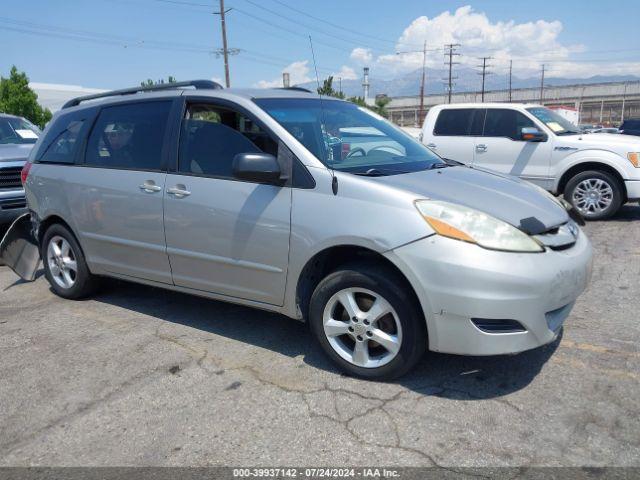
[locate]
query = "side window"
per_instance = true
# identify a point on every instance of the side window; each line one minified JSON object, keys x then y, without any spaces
{"x":502,"y":122}
{"x":477,"y":122}
{"x":61,"y":143}
{"x":212,"y":136}
{"x":129,"y":136}
{"x":454,"y":122}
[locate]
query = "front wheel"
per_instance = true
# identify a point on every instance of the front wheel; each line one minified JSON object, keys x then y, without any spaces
{"x":367,"y":323}
{"x":595,"y":194}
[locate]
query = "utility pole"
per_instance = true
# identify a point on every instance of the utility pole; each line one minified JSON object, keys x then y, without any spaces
{"x":510,"y":75}
{"x":484,"y":74}
{"x":542,"y":85}
{"x":452,"y":52}
{"x":225,"y":49}
{"x":424,"y":74}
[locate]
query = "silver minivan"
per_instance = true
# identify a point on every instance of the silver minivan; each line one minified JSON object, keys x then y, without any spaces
{"x":312,"y":207}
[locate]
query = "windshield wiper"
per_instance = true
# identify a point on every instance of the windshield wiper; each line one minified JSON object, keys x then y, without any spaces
{"x":568,"y":132}
{"x":433,"y":166}
{"x":374,"y":172}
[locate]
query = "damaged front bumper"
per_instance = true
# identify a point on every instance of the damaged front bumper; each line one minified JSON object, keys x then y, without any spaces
{"x":19,"y":248}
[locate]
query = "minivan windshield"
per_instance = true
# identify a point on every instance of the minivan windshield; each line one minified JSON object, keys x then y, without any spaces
{"x":556,"y":122}
{"x":350,"y":138}
{"x":17,"y":130}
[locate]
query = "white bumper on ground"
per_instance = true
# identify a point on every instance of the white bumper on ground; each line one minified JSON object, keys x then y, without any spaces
{"x":457,"y":282}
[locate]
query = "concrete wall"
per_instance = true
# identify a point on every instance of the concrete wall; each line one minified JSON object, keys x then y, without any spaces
{"x":598,"y":103}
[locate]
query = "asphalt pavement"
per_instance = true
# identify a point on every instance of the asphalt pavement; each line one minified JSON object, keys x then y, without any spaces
{"x":142,"y":376}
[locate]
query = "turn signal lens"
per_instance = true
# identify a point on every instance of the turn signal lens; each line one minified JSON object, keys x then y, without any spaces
{"x":634,"y":158}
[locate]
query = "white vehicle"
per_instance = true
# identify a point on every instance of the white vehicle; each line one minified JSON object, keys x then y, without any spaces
{"x":595,"y":173}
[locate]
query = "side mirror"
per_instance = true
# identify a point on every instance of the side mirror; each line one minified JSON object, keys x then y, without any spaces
{"x":532,"y":134}
{"x":257,"y":167}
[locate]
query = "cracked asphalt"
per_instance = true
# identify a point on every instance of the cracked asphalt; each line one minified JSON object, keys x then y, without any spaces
{"x":141,"y":376}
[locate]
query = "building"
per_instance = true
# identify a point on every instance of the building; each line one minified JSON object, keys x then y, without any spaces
{"x":598,"y":103}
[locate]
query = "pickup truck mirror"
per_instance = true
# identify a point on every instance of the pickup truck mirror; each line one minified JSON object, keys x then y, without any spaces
{"x":532,"y":134}
{"x":257,"y":167}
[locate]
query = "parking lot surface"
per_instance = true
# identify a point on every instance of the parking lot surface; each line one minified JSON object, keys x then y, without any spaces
{"x":142,"y":376}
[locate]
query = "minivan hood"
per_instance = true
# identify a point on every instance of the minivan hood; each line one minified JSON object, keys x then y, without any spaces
{"x":15,"y":152}
{"x":504,"y":197}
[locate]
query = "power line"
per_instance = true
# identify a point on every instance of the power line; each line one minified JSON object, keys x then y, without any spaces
{"x":298,"y":23}
{"x":94,"y":37}
{"x":342,"y":28}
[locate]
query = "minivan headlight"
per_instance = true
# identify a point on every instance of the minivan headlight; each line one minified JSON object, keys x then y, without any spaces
{"x":469,"y":225}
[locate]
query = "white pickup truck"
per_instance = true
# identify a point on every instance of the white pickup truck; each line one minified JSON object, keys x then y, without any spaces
{"x":596,"y":173}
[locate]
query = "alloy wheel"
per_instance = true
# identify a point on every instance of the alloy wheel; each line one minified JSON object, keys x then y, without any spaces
{"x":362,"y":327}
{"x":62,"y":262}
{"x":592,"y":196}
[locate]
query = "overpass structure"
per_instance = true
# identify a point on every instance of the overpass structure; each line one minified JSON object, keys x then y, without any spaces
{"x":597,"y":103}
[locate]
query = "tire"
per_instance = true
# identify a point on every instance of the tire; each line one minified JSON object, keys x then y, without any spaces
{"x":329,"y":310}
{"x":607,"y":190}
{"x":75,"y":284}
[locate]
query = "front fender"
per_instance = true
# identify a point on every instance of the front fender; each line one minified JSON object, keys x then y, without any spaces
{"x":603,"y":157}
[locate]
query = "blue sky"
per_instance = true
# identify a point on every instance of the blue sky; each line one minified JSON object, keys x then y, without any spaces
{"x":117,"y":43}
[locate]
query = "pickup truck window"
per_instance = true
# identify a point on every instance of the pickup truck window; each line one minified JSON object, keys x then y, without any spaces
{"x":459,"y":122}
{"x":505,"y":122}
{"x":555,"y":122}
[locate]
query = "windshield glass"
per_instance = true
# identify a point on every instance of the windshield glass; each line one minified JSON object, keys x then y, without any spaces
{"x":350,"y":138}
{"x":557,"y":123}
{"x":17,"y":130}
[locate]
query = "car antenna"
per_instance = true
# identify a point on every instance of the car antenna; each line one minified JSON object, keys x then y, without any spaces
{"x":334,"y":179}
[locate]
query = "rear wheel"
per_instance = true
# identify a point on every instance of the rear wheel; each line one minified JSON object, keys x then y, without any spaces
{"x":595,"y":194}
{"x":367,"y":323}
{"x":64,"y":264}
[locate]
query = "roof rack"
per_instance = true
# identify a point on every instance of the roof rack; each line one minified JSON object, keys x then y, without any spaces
{"x":197,"y":84}
{"x":297,"y":89}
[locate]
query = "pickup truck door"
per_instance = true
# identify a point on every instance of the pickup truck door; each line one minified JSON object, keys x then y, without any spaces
{"x":453,"y":134}
{"x":501,"y":148}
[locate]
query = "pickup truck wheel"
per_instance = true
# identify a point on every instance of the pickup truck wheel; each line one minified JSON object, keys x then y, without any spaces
{"x":64,"y":264}
{"x":367,"y":323}
{"x":595,"y":194}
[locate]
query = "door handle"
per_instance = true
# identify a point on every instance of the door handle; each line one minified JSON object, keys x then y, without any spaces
{"x":481,"y":148}
{"x":150,"y":187}
{"x":179,"y":191}
{"x":433,"y":146}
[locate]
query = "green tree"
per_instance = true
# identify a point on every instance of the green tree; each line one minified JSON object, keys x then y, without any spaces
{"x":358,"y":101}
{"x":16,"y":98}
{"x":380,"y":106}
{"x":327,"y":89}
{"x":150,"y":83}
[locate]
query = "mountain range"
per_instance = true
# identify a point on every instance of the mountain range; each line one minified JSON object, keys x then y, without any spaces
{"x":468,"y":81}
